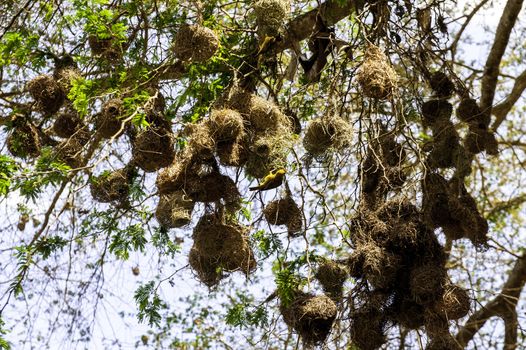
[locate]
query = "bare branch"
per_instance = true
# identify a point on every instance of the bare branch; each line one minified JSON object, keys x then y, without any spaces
{"x":502,"y":109}
{"x":503,"y":305}
{"x":502,"y":37}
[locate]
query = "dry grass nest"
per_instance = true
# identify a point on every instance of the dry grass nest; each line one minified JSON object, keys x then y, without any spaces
{"x":376,"y":77}
{"x":380,"y":267}
{"x":196,"y":43}
{"x":267,"y":152}
{"x":111,"y":186}
{"x":153,"y":149}
{"x":311,"y":316}
{"x":233,"y":153}
{"x":427,"y":283}
{"x":406,"y":312}
{"x":108,"y":48}
{"x":67,"y":124}
{"x":47,"y":93}
{"x":219,"y":247}
{"x":70,"y":151}
{"x":284,"y":211}
{"x":455,"y":303}
{"x":332,"y":276}
{"x":479,"y":140}
{"x":271,"y":15}
{"x":225,"y":125}
{"x":446,"y":148}
{"x":327,"y":134}
{"x":66,"y":76}
{"x":368,"y":327}
{"x":200,"y":142}
{"x":109,"y":122}
{"x":24,"y":141}
{"x":441,"y":84}
{"x":174,"y":209}
{"x":435,"y":111}
{"x":468,"y":110}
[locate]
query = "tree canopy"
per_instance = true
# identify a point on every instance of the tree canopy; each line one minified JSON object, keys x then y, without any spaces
{"x":270,"y":174}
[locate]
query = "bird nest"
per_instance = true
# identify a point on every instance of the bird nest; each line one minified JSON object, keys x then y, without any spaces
{"x":109,"y":122}
{"x":446,"y":148}
{"x":66,"y":76}
{"x":284,"y":211}
{"x":427,"y":283}
{"x":380,"y":267}
{"x":195,"y":43}
{"x":267,"y":152}
{"x":200,"y":142}
{"x":225,"y":125}
{"x":233,"y":153}
{"x":108,"y":48}
{"x":325,"y":134}
{"x":70,"y":151}
{"x":271,"y":15}
{"x":153,"y":149}
{"x":211,"y":187}
{"x":220,"y":247}
{"x":376,"y":76}
{"x":479,"y":140}
{"x":332,"y":276}
{"x":435,"y":111}
{"x":455,"y":303}
{"x":111,"y":186}
{"x":368,"y":327}
{"x":311,"y":316}
{"x":67,"y":124}
{"x":264,"y":116}
{"x":174,"y":210}
{"x":441,"y":84}
{"x":47,"y":93}
{"x":468,"y":110}
{"x":407,"y":313}
{"x":24,"y":141}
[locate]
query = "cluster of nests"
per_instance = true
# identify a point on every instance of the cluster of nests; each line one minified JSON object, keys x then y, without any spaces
{"x":376,"y":77}
{"x":403,"y":280}
{"x":445,"y":150}
{"x":383,"y":168}
{"x":220,"y":246}
{"x":26,"y":140}
{"x":447,"y":204}
{"x":271,"y":16}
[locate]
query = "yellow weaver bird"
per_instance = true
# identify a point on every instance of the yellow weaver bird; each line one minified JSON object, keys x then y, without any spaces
{"x":272,"y":180}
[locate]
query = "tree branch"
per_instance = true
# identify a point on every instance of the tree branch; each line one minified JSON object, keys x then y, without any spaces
{"x":503,"y":305}
{"x":502,"y":37}
{"x":502,"y":109}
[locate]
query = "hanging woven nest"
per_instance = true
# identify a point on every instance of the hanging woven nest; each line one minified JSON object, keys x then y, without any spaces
{"x":326,"y":134}
{"x":267,"y":152}
{"x":311,"y":316}
{"x":66,"y":76}
{"x":332,"y":276}
{"x":271,"y":15}
{"x":436,"y":111}
{"x":67,"y":124}
{"x":376,"y":77}
{"x":468,"y":110}
{"x":195,"y":43}
{"x":70,"y":151}
{"x":220,"y":247}
{"x":109,"y":122}
{"x":427,"y":283}
{"x":174,"y":210}
{"x":47,"y":93}
{"x":111,"y":186}
{"x":211,"y":187}
{"x":153,"y":149}
{"x":264,"y":116}
{"x":380,"y":267}
{"x":24,"y":141}
{"x":407,"y":313}
{"x":455,"y":303}
{"x":201,"y":144}
{"x":368,"y":326}
{"x":108,"y":48}
{"x":284,"y":211}
{"x":441,"y":84}
{"x":233,"y":153}
{"x":225,"y":125}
